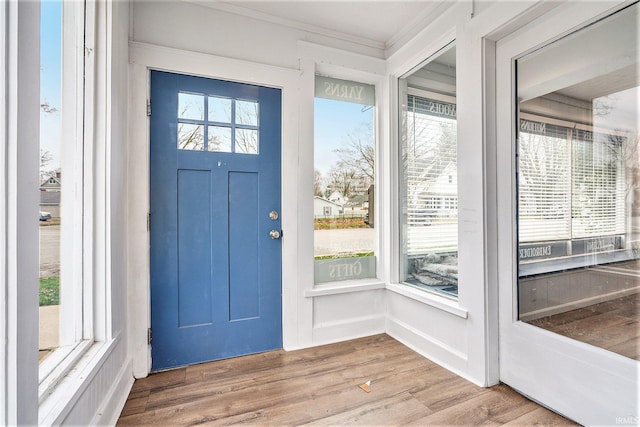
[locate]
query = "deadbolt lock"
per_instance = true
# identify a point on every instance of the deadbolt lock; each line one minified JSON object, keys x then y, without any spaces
{"x":274,"y":234}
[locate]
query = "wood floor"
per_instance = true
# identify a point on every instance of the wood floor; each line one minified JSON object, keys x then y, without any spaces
{"x":613,"y":325}
{"x":319,"y":386}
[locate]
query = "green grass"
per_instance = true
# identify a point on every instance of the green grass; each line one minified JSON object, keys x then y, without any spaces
{"x":356,"y":255}
{"x":50,"y":291}
{"x":339,"y":223}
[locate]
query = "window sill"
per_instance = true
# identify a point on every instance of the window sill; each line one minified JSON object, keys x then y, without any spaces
{"x":58,"y":365}
{"x":344,"y":287}
{"x":432,"y":300}
{"x":62,"y":396}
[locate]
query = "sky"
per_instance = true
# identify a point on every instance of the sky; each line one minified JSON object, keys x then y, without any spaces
{"x":50,"y":78}
{"x":333,"y":121}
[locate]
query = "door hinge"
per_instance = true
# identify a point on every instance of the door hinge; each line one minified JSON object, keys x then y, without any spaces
{"x":148,"y":107}
{"x":149,"y":336}
{"x":148,"y":221}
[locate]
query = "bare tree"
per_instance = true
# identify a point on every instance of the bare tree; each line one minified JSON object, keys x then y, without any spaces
{"x":317,"y":183}
{"x":247,"y":113}
{"x":429,"y":154}
{"x":45,"y":158}
{"x":47,"y":108}
{"x":343,"y":180}
{"x":358,"y":153}
{"x":190,"y":137}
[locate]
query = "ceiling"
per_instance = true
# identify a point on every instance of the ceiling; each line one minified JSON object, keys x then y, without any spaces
{"x":378,"y":24}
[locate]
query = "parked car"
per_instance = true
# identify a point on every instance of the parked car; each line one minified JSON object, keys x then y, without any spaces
{"x":45,"y":216}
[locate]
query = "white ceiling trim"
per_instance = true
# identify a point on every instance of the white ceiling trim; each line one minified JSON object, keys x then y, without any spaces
{"x":250,"y":13}
{"x":422,"y":20}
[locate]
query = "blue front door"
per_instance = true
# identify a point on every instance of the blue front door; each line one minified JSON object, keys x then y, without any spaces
{"x":215,"y":199}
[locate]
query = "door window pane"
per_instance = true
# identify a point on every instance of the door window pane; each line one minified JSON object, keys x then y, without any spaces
{"x":246,"y":141}
{"x":429,"y":184}
{"x":190,"y":137}
{"x":247,"y":113}
{"x":190,"y":106}
{"x":219,"y":139}
{"x":579,"y":185}
{"x":219,"y":109}
{"x":344,"y":183}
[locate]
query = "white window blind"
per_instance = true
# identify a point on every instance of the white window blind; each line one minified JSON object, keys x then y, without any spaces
{"x":544,"y":182}
{"x":598,"y":206}
{"x":431,"y":177}
{"x":570,"y":183}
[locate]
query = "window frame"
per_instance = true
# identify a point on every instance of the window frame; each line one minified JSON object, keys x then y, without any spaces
{"x":85,"y":207}
{"x":403,"y":92}
{"x":76,"y":334}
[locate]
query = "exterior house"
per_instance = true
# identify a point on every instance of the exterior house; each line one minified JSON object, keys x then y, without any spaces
{"x":52,"y":183}
{"x":50,"y":202}
{"x":50,"y":194}
{"x":338,"y":198}
{"x":151,"y":173}
{"x":323,"y":208}
{"x":357,"y":205}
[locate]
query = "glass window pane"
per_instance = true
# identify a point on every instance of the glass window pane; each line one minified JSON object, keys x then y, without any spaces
{"x":190,"y":137}
{"x":247,"y":113}
{"x":219,"y":109}
{"x":50,"y":189}
{"x":344,"y":183}
{"x":219,"y":139}
{"x":429,"y":184}
{"x":246,"y":141}
{"x":190,"y":106}
{"x":578,"y":186}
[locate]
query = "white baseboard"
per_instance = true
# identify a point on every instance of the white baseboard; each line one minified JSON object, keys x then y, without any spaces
{"x":430,"y":348}
{"x":115,"y":398}
{"x":328,"y":333}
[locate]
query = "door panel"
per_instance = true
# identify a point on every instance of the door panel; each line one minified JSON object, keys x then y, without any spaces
{"x":194,"y":242}
{"x":215,"y":177}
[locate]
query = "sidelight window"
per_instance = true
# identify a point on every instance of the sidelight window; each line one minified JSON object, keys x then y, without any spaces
{"x":428,"y":176}
{"x":344,"y":180}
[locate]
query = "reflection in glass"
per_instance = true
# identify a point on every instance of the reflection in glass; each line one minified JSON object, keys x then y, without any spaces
{"x":219,"y":109}
{"x":190,"y":137}
{"x":190,"y":106}
{"x":219,"y":139}
{"x":579,"y":185}
{"x":246,"y":141}
{"x":429,"y":183}
{"x":247,"y":113}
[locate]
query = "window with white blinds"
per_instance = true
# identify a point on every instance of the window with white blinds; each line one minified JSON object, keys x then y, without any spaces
{"x":570,"y":183}
{"x":431,"y":177}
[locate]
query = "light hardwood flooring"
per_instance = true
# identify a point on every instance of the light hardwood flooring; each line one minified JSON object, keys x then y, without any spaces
{"x":613,"y":325}
{"x":319,"y":386}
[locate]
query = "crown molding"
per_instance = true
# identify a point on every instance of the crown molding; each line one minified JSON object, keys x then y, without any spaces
{"x":290,"y":23}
